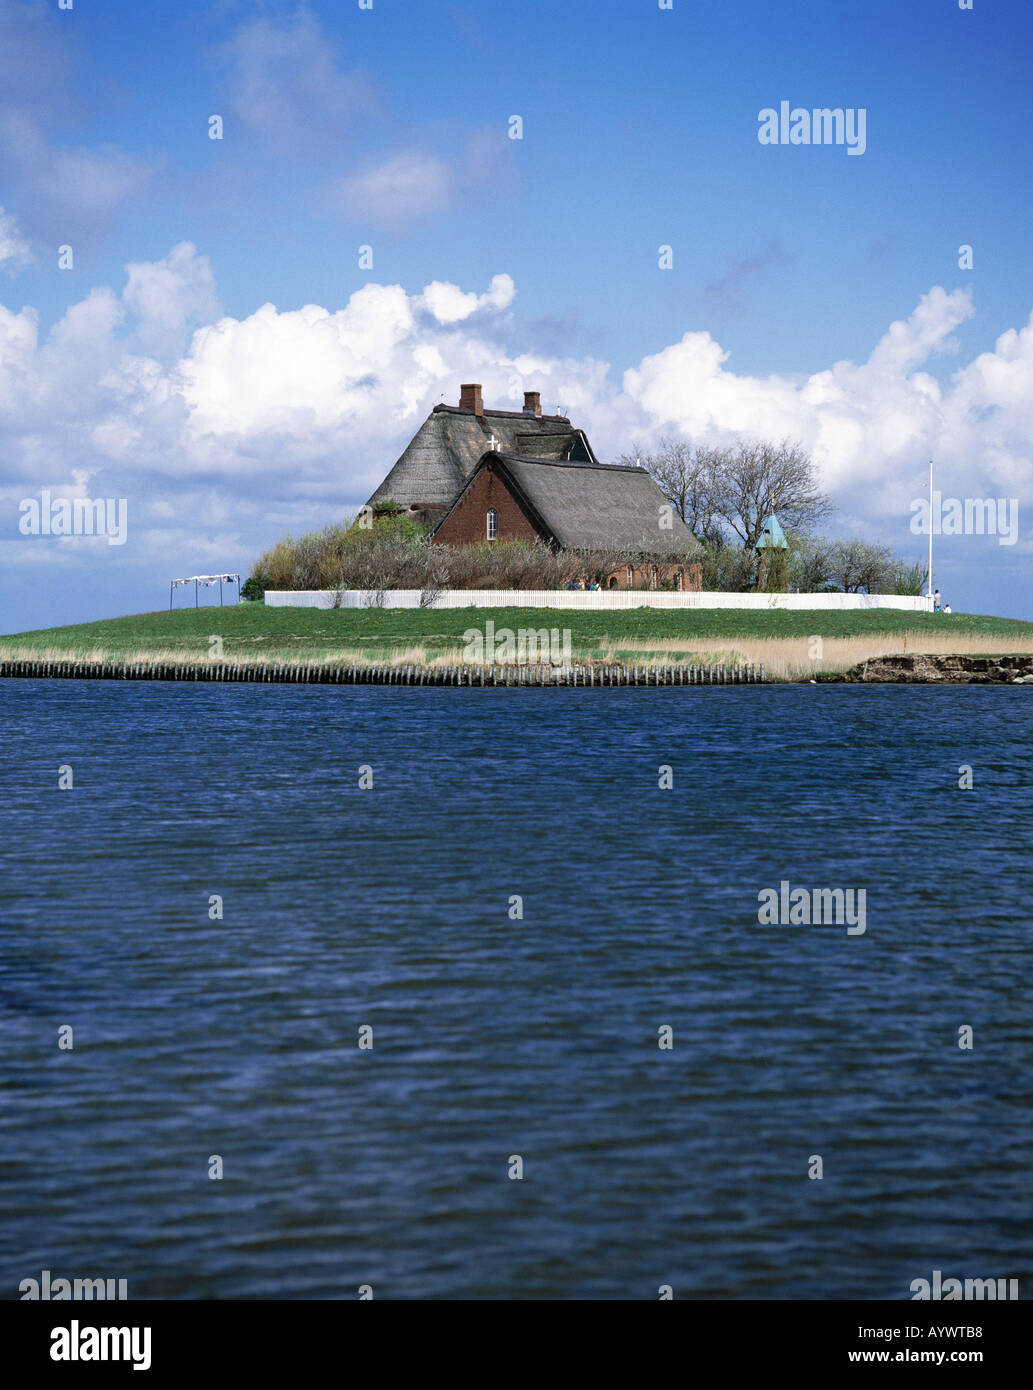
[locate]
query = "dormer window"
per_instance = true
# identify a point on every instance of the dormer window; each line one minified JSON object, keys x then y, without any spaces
{"x":492,"y":524}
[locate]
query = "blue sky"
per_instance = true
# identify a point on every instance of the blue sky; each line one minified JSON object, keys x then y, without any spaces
{"x":152,"y":371}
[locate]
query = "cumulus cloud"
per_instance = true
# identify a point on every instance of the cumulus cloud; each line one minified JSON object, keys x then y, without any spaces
{"x":289,"y":418}
{"x":448,"y":304}
{"x":688,"y":387}
{"x":166,"y":296}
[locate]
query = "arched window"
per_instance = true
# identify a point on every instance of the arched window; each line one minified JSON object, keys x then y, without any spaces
{"x":493,"y":523}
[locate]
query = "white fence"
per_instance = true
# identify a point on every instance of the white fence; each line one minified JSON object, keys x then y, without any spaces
{"x":582,"y":598}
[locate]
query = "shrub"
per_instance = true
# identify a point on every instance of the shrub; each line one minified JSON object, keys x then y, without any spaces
{"x":908,"y":579}
{"x":394,"y":553}
{"x":253,"y":589}
{"x":728,"y":569}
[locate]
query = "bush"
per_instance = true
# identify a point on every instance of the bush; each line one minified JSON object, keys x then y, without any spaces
{"x":394,"y":553}
{"x":253,"y":589}
{"x":908,"y":579}
{"x":729,"y":569}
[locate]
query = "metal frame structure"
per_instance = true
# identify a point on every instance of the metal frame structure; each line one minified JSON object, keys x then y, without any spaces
{"x":207,"y":580}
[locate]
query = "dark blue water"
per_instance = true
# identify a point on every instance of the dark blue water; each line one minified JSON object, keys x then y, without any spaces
{"x":496,"y":1037}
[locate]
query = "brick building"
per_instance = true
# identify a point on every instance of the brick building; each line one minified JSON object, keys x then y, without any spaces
{"x":480,"y":476}
{"x":573,"y":504}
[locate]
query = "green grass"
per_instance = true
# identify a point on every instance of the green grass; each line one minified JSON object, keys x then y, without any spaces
{"x":300,"y":634}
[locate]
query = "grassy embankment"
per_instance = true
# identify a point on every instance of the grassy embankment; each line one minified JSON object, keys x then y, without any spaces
{"x":780,"y":640}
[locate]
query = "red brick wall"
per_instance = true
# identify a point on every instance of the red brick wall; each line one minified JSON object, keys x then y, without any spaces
{"x":467,"y":525}
{"x":645,"y":575}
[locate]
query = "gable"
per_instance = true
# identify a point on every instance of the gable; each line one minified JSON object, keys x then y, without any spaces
{"x":465,"y":523}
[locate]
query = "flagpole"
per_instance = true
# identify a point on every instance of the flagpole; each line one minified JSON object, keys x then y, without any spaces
{"x":930,"y":530}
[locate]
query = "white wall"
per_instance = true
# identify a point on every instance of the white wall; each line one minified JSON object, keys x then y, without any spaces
{"x":586,"y":599}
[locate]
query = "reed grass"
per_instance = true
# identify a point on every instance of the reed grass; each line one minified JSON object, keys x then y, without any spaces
{"x":783,"y":658}
{"x":784,"y":642}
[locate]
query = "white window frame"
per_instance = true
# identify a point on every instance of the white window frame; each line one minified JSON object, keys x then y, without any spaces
{"x":492,"y":524}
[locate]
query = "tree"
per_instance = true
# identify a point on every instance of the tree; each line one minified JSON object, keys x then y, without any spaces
{"x":754,"y":478}
{"x":726,"y":495}
{"x":810,"y":563}
{"x":860,"y":567}
{"x":909,"y":578}
{"x":685,"y":475}
{"x":854,"y":566}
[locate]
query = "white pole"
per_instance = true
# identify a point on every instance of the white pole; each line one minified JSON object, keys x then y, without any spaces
{"x":930,"y":531}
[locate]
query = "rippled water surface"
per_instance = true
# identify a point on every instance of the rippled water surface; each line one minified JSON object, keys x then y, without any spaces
{"x":495,"y":1037}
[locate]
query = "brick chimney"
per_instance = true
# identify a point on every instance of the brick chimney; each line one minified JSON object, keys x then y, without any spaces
{"x":470,"y":398}
{"x":532,"y":403}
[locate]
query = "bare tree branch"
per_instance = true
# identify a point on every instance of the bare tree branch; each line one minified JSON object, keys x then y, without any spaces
{"x":686,"y":477}
{"x":755,"y":478}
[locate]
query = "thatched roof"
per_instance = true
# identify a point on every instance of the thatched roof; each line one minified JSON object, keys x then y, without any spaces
{"x":592,"y":506}
{"x":447,"y":447}
{"x":568,"y":444}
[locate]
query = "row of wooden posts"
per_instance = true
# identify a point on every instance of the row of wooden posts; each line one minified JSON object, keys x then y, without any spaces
{"x":538,"y":675}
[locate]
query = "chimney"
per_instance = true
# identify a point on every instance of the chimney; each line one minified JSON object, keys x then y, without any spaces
{"x":532,"y":403}
{"x":470,"y":398}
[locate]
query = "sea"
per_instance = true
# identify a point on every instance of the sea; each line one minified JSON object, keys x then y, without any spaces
{"x":318,"y":992}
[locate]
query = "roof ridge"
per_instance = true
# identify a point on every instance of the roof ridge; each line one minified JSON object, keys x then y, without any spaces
{"x":570,"y":463}
{"x":490,"y":410}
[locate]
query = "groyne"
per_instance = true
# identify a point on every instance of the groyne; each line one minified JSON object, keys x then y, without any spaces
{"x":585,"y":675}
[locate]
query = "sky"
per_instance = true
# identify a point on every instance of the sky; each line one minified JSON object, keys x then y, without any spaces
{"x":232,"y":339}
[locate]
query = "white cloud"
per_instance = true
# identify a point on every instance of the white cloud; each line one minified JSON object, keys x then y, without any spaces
{"x":410,"y":185}
{"x":14,"y":249}
{"x":448,"y":304}
{"x":401,"y":189}
{"x":18,"y":336}
{"x":165,"y":296}
{"x":75,"y":189}
{"x":863,"y":422}
{"x":290,"y":418}
{"x":287,"y":86}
